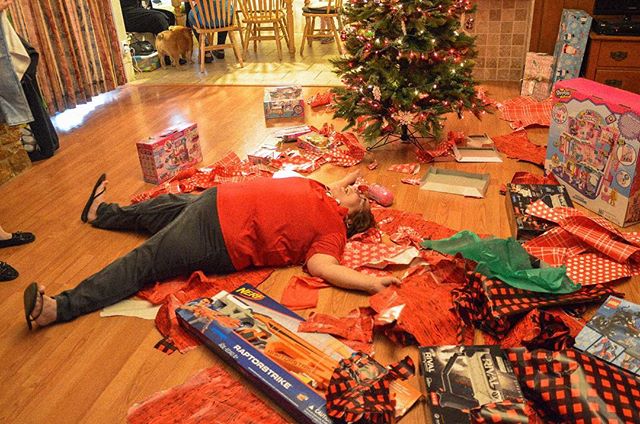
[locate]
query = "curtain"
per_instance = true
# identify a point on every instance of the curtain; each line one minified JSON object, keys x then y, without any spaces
{"x":80,"y":55}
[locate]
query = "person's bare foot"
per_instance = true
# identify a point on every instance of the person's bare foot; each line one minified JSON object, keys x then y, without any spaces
{"x":47,"y":311}
{"x":93,"y":209}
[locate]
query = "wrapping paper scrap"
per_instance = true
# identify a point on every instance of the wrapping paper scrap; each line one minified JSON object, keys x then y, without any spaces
{"x":484,"y":97}
{"x":592,"y":249}
{"x":506,"y":260}
{"x":357,"y":325}
{"x":419,"y":311}
{"x":347,"y":150}
{"x":228,"y":169}
{"x":320,"y":99}
{"x":165,"y":346}
{"x":173,"y":293}
{"x":505,"y":412}
{"x":357,"y":254}
{"x":389,"y":220}
{"x":299,"y":161}
{"x":443,"y":151}
{"x":518,"y":146}
{"x":302,"y":292}
{"x":539,"y":329}
{"x":211,"y":395}
{"x":359,"y":389}
{"x":524,"y":177}
{"x":405,"y":168}
{"x":522,"y":112}
{"x":571,"y":387}
{"x":493,"y":307}
{"x":411,"y":181}
{"x":373,"y":165}
{"x":406,"y":236}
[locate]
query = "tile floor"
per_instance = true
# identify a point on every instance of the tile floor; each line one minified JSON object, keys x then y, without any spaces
{"x":261,"y":67}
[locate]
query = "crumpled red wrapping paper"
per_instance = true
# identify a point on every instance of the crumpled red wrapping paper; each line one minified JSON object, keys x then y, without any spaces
{"x":302,"y":292}
{"x":443,"y":151}
{"x":518,"y":146}
{"x":569,"y":386}
{"x":389,"y":220}
{"x":593,"y":250}
{"x":540,"y":329}
{"x":420,"y":310}
{"x":525,"y":111}
{"x":173,"y":293}
{"x":493,"y":306}
{"x":524,"y":177}
{"x":505,"y":412}
{"x":359,"y":389}
{"x":320,"y":99}
{"x":228,"y":169}
{"x":356,"y":326}
{"x":212,"y":395}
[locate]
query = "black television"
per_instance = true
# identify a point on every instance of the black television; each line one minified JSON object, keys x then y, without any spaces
{"x":617,"y":7}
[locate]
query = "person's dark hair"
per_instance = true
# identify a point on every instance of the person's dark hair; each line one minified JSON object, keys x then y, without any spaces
{"x":359,"y":222}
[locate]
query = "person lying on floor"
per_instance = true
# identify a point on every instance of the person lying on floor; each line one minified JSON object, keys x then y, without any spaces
{"x":259,"y":223}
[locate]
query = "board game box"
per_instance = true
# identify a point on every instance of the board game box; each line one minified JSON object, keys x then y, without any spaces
{"x":518,"y":196}
{"x":461,"y":378}
{"x":613,"y":334}
{"x":259,"y":337}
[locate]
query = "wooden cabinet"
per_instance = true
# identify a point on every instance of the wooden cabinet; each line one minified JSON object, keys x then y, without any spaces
{"x":614,"y":60}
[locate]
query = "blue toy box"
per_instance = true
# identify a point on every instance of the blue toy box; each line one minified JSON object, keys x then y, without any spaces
{"x":259,"y":337}
{"x":283,"y":102}
{"x":571,"y":44}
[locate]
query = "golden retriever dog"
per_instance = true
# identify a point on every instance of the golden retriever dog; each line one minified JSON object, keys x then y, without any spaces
{"x":176,"y":42}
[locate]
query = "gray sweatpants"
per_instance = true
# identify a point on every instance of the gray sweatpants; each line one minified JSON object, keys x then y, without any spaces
{"x":186,"y":237}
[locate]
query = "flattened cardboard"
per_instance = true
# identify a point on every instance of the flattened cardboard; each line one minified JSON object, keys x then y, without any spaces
{"x":455,"y":182}
{"x":477,"y":148}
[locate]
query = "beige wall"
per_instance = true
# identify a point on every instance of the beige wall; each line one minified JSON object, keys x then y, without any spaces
{"x":122,"y":37}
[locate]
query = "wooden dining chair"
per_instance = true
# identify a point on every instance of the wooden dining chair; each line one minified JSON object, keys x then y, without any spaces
{"x":212,"y":17}
{"x":264,"y":15}
{"x":332,"y":12}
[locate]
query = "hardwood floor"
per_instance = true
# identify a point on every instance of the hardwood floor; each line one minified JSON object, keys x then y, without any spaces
{"x":93,"y":369}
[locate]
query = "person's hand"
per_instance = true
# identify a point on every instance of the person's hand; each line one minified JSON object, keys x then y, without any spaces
{"x":4,"y":4}
{"x":381,"y":283}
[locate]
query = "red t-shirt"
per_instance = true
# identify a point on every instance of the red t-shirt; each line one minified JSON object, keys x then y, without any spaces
{"x":276,"y":222}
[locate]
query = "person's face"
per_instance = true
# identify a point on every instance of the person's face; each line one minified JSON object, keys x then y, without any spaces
{"x":350,"y":198}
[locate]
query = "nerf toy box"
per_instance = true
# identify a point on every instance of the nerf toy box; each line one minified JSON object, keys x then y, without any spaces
{"x":523,"y":226}
{"x":461,"y":380}
{"x":571,"y":44}
{"x":538,"y":70}
{"x":283,"y":102}
{"x":163,"y":155}
{"x":259,"y":337}
{"x":593,"y":147}
{"x":613,"y":334}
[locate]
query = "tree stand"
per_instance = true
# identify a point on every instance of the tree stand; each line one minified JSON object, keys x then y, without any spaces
{"x":406,"y":136}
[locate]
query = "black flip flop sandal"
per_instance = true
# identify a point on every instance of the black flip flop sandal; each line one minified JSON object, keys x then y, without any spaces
{"x":85,"y":212}
{"x":30,"y":297}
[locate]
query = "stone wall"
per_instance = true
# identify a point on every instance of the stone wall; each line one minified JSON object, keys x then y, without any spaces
{"x":13,"y":157}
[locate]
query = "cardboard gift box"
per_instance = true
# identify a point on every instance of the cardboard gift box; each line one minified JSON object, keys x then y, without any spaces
{"x":259,"y":337}
{"x":593,"y":147}
{"x":283,"y":102}
{"x":571,"y":44}
{"x":538,"y":70}
{"x":519,"y":196}
{"x":146,"y":63}
{"x":163,"y":155}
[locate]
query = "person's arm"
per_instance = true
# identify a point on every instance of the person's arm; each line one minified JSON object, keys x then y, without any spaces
{"x":328,"y":268}
{"x":346,"y":181}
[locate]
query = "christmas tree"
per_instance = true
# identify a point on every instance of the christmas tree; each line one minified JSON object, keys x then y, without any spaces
{"x":407,"y":63}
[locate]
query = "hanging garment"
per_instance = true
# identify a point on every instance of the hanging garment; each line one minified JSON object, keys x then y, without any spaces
{"x":14,"y":109}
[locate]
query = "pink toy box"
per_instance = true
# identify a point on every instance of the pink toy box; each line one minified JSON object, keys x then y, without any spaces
{"x":593,"y":147}
{"x":163,"y":155}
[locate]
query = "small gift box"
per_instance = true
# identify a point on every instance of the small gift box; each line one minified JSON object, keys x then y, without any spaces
{"x":146,"y":63}
{"x":163,"y":155}
{"x":538,"y":71}
{"x":283,"y":102}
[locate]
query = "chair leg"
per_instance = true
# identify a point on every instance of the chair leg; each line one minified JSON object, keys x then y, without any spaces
{"x":236,"y":50}
{"x":256,"y":36}
{"x":283,"y":27}
{"x":312,"y":30}
{"x":247,"y":37}
{"x":239,"y":22}
{"x":336,"y":35}
{"x":304,"y":35}
{"x":202,"y":53}
{"x":276,"y":35}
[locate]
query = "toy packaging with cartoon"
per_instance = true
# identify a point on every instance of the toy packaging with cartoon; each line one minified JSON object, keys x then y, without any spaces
{"x":163,"y":155}
{"x":518,"y":196}
{"x":571,"y":44}
{"x":283,"y":102}
{"x":613,"y":334}
{"x":593,"y":147}
{"x":461,"y":380}
{"x":259,"y":337}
